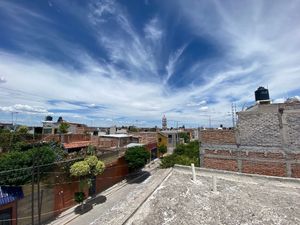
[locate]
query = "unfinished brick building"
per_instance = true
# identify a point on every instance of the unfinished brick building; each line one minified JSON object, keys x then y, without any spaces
{"x":265,"y":141}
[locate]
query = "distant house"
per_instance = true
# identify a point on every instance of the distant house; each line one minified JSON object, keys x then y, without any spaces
{"x":121,"y":140}
{"x":52,"y":127}
{"x":6,"y":126}
{"x":169,"y":138}
{"x":8,"y":203}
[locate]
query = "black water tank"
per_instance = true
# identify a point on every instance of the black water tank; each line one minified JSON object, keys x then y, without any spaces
{"x":48,"y":118}
{"x":262,"y":94}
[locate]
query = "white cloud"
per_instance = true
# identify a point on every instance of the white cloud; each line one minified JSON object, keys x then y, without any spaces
{"x":191,"y":104}
{"x":173,"y":59}
{"x":279,"y":100}
{"x":2,"y":80}
{"x":24,"y":109}
{"x":203,"y":108}
{"x":152,"y":30}
{"x":259,"y":43}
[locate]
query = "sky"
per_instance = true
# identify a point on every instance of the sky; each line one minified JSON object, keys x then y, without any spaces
{"x":129,"y":62}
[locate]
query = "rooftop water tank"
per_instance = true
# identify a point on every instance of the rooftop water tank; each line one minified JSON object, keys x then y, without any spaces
{"x":262,"y":94}
{"x":48,"y":118}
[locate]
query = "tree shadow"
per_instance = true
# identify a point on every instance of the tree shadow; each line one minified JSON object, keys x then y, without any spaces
{"x":98,"y":200}
{"x":82,"y":209}
{"x":138,"y":178}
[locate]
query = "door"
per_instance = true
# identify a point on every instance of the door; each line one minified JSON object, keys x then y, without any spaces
{"x":6,"y":216}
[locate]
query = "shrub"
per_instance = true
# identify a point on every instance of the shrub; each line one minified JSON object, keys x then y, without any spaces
{"x":185,"y":137}
{"x":168,"y":161}
{"x":184,"y":154}
{"x":136,"y":157}
{"x":79,"y":196}
{"x":162,"y":149}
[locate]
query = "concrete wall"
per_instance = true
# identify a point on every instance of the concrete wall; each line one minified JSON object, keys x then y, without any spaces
{"x":24,"y":205}
{"x":266,"y":141}
{"x":275,"y":125}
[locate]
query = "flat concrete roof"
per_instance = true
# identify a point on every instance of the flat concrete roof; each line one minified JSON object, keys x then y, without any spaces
{"x":130,"y":145}
{"x":116,"y":135}
{"x":239,"y":200}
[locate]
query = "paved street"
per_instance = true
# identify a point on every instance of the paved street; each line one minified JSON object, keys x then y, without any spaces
{"x":116,"y":207}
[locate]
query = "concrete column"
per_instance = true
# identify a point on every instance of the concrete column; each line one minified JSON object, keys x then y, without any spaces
{"x":193,"y":172}
{"x":214,"y":184}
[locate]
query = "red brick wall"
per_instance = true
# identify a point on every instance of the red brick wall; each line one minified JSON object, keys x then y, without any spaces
{"x":264,"y":163}
{"x":221,"y":137}
{"x":113,"y":174}
{"x":221,"y":164}
{"x":295,"y":170}
{"x":271,"y":169}
{"x":64,"y":193}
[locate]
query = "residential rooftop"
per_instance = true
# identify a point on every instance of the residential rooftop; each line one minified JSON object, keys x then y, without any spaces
{"x":116,"y":135}
{"x":240,"y":199}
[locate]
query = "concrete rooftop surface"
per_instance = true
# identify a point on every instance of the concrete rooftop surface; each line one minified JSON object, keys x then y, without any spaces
{"x":240,"y":199}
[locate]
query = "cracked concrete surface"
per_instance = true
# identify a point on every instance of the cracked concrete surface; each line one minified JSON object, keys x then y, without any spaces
{"x":239,"y":200}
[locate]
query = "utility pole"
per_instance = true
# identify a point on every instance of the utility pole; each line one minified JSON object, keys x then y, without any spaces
{"x":39,"y":196}
{"x":233,"y":114}
{"x":32,"y":194}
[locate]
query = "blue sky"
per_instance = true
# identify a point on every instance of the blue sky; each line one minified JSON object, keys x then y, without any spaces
{"x":105,"y":62}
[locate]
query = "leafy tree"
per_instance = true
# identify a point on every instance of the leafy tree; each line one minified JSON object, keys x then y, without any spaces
{"x":185,"y":137}
{"x":162,"y":149}
{"x":184,"y":154}
{"x":23,"y":129}
{"x":136,"y":157}
{"x":63,"y":127}
{"x":91,"y":150}
{"x":86,"y":170}
{"x":133,"y":129}
{"x":180,"y":149}
{"x":12,"y":161}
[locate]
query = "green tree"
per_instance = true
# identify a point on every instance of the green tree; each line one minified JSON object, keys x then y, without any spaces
{"x":23,"y":130}
{"x":86,"y":170}
{"x":16,"y":167}
{"x":162,"y":149}
{"x":184,"y":154}
{"x":185,"y":137}
{"x":63,"y":127}
{"x":136,"y":157}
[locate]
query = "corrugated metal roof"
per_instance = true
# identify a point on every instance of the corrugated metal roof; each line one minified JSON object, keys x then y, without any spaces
{"x":9,"y":194}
